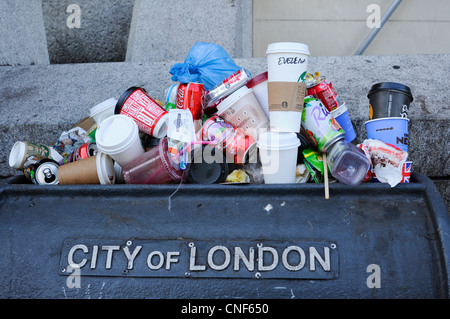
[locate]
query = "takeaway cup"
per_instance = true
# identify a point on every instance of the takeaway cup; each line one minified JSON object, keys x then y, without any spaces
{"x":97,"y":169}
{"x":287,"y":64}
{"x":22,"y":150}
{"x":243,"y":110}
{"x":390,"y":130}
{"x":152,"y":167}
{"x":118,"y":136}
{"x":287,"y":61}
{"x":340,"y":114}
{"x":389,"y":99}
{"x":103,"y":110}
{"x":145,"y":111}
{"x":278,"y":156}
{"x":259,"y":86}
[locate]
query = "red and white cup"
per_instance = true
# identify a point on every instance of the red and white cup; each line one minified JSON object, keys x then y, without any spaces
{"x":145,"y":111}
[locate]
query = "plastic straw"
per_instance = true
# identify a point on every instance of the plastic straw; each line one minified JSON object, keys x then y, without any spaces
{"x":325,"y":172}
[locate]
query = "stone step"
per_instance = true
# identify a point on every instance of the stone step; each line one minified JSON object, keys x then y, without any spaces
{"x":22,"y":33}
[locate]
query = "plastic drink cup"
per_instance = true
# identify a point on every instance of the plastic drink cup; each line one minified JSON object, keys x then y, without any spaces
{"x":22,"y":150}
{"x":259,"y":86}
{"x":243,"y":110}
{"x":118,"y":136}
{"x":389,"y":99}
{"x":340,"y":114}
{"x":103,"y":110}
{"x":347,"y":163}
{"x":152,"y":167}
{"x":390,"y":130}
{"x":287,"y":64}
{"x":278,"y":154}
{"x":145,"y":111}
{"x":318,"y":122}
{"x":97,"y":169}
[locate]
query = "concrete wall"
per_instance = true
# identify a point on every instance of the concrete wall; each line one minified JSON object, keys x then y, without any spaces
{"x":338,"y":27}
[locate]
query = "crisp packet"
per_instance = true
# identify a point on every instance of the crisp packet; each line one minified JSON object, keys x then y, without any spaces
{"x":387,"y":160}
{"x":70,"y":140}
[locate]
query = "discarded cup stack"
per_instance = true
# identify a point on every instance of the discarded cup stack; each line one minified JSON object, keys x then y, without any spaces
{"x":285,"y":125}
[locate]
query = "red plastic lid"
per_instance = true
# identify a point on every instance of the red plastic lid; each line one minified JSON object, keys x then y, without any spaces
{"x":258,"y":79}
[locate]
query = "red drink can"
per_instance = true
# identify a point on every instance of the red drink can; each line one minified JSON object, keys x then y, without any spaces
{"x":230,"y":139}
{"x":145,"y":111}
{"x":325,"y":92}
{"x":191,"y":96}
{"x":84,"y":151}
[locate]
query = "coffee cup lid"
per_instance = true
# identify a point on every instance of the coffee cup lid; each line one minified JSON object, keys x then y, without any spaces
{"x":109,"y":103}
{"x":16,"y":155}
{"x":233,"y":98}
{"x":278,"y":140}
{"x":339,"y":110}
{"x":391,"y":86}
{"x":105,"y":169}
{"x":285,"y":47}
{"x":116,"y":133}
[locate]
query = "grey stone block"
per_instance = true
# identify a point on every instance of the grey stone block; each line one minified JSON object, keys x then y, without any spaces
{"x":22,"y":33}
{"x":38,"y":103}
{"x":102,"y":35}
{"x":166,"y":30}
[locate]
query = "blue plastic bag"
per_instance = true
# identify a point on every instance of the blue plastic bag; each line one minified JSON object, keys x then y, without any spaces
{"x":206,"y":63}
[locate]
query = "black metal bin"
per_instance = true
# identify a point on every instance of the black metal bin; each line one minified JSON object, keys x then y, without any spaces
{"x":223,"y":241}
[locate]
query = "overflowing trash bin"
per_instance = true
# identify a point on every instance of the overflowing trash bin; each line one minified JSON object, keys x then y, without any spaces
{"x":233,"y":186}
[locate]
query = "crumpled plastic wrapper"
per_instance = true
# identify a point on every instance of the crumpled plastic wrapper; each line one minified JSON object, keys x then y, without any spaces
{"x":302,"y":174}
{"x":70,"y":140}
{"x":387,"y":160}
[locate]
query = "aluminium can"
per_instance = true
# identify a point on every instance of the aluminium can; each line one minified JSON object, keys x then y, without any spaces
{"x":86,"y":150}
{"x":228,"y":86}
{"x":325,"y":92}
{"x":41,"y":171}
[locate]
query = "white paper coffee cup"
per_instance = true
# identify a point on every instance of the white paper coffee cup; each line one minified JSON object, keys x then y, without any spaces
{"x":103,"y":110}
{"x":278,"y":155}
{"x":118,"y":136}
{"x":287,"y":61}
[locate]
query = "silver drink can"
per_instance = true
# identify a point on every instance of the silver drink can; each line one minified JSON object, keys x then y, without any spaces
{"x":228,"y":86}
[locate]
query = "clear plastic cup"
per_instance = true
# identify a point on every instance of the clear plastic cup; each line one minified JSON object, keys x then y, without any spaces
{"x":152,"y":167}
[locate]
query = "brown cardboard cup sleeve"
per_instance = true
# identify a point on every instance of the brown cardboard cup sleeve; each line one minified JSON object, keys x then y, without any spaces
{"x":83,"y":171}
{"x":286,"y":96}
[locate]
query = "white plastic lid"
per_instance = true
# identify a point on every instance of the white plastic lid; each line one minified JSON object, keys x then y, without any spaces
{"x":116,"y":133}
{"x":233,"y":98}
{"x":275,"y":140}
{"x":339,"y":110}
{"x":287,"y":47}
{"x":16,"y":154}
{"x":105,"y":169}
{"x":110,"y":103}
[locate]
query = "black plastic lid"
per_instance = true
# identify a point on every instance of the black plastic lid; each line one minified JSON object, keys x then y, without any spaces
{"x":391,"y":86}
{"x":124,"y":97}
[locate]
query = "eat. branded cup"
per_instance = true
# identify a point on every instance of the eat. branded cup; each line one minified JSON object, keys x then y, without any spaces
{"x":145,"y":111}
